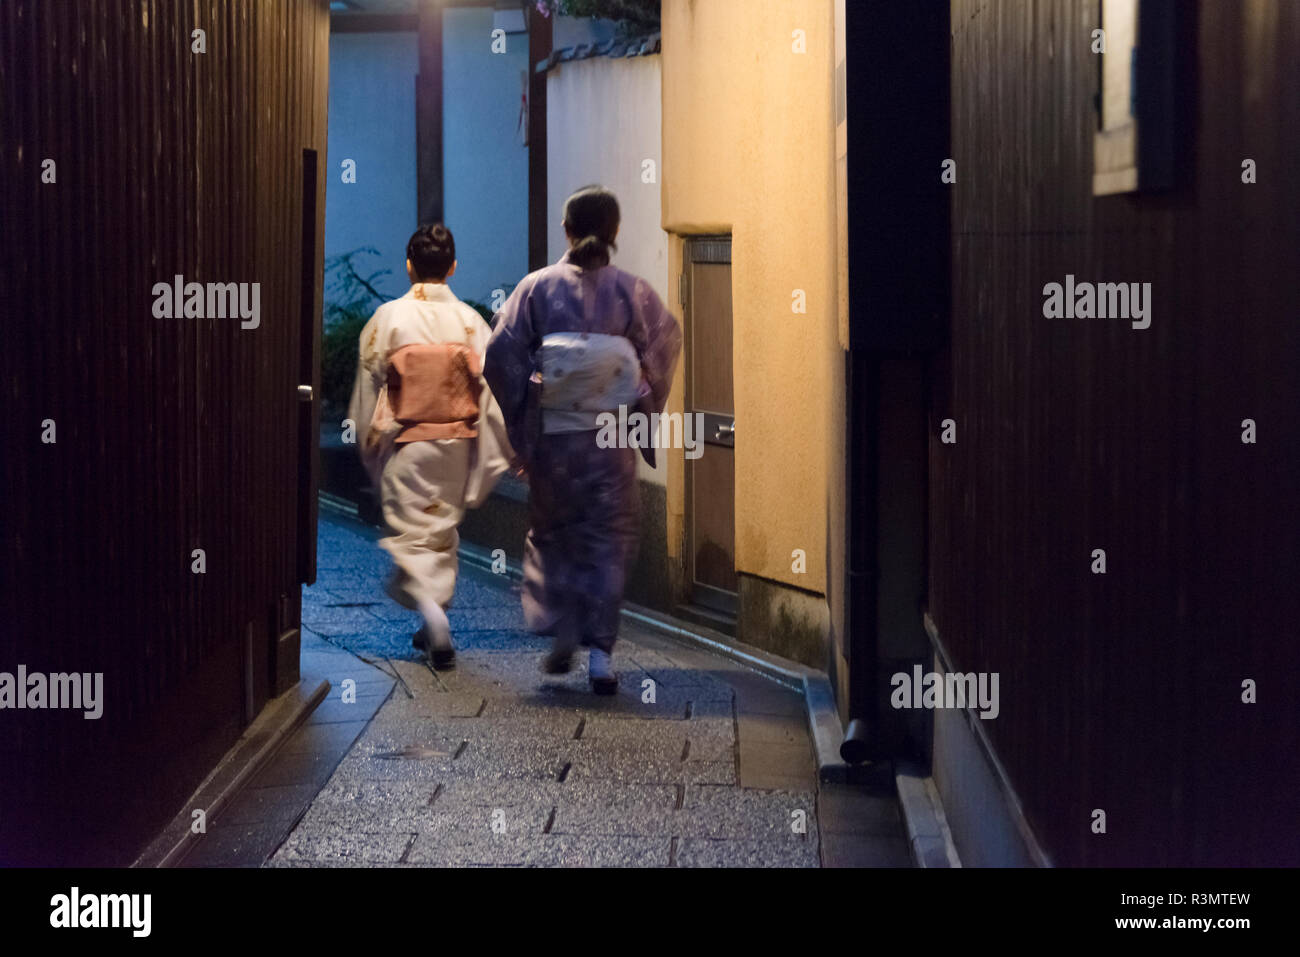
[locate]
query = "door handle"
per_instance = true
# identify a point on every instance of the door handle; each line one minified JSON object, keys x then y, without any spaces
{"x":726,"y":430}
{"x":305,"y":393}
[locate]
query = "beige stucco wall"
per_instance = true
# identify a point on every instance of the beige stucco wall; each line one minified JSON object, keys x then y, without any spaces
{"x":837,"y":493}
{"x":748,"y":148}
{"x":602,"y":126}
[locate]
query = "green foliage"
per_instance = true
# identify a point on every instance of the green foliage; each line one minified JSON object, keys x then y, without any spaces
{"x":635,"y":16}
{"x":350,"y":300}
{"x":486,"y":311}
{"x":338,"y":364}
{"x":482,"y":309}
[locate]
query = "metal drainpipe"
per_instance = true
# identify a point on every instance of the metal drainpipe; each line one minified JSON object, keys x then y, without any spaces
{"x":863,"y":740}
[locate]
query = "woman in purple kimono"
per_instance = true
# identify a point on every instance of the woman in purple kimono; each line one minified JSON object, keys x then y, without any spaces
{"x":575,"y":341}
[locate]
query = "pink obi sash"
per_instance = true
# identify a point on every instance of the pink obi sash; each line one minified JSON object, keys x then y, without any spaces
{"x":434,"y":391}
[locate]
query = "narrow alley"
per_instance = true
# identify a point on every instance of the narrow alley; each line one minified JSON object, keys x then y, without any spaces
{"x":696,"y":762}
{"x":621,"y":435}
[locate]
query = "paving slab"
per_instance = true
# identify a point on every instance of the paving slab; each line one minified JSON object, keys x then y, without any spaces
{"x":438,"y":820}
{"x":849,"y":810}
{"x":866,"y":851}
{"x":551,"y":850}
{"x":794,"y":851}
{"x":345,"y":845}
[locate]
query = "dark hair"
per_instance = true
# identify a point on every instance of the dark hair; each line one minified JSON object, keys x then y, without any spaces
{"x":432,"y":250}
{"x":591,"y":217}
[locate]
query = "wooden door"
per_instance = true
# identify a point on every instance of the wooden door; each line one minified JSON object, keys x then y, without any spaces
{"x":711,"y":477}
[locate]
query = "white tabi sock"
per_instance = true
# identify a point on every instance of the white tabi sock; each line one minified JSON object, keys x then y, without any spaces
{"x":439,"y":628}
{"x":600,"y":664}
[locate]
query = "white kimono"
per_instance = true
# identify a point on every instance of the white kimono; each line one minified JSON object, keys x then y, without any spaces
{"x":426,"y":484}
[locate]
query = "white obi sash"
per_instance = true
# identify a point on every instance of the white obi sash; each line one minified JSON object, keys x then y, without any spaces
{"x":583,"y":375}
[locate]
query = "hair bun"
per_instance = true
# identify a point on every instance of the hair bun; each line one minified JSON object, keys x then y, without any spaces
{"x":590,"y":252}
{"x":591,"y":215}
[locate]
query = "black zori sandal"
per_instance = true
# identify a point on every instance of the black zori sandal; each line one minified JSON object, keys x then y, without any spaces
{"x":557,"y":663}
{"x":443,"y":660}
{"x":559,"y":660}
{"x":605,"y":686}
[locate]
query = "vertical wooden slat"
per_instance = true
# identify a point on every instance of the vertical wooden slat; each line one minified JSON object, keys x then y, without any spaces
{"x":172,"y":433}
{"x":1122,"y":691}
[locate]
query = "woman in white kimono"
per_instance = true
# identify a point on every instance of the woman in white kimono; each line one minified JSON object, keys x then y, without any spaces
{"x":429,"y":430}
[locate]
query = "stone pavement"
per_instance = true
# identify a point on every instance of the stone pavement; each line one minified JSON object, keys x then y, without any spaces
{"x":695,"y":762}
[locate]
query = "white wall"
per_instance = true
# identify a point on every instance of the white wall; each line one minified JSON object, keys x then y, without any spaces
{"x":372,"y":121}
{"x":603,"y":123}
{"x":485,"y":164}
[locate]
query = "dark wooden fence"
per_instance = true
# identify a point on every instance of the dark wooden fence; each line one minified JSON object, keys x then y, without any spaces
{"x":1123,"y":691}
{"x":172,"y":434}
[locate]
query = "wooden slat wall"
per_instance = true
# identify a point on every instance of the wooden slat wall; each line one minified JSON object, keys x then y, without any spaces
{"x":1122,"y":692}
{"x":172,"y":434}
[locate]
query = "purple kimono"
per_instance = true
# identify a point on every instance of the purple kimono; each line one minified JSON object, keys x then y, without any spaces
{"x":584,"y":504}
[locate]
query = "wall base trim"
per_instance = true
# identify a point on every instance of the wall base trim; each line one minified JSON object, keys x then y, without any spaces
{"x":256,"y":747}
{"x":986,"y":817}
{"x":928,"y":833}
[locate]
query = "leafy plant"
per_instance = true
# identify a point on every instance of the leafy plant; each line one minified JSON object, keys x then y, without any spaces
{"x":350,"y":301}
{"x":634,"y":16}
{"x":482,"y":309}
{"x":486,"y":311}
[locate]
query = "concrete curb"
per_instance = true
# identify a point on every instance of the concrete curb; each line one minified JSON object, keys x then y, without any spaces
{"x":252,"y":752}
{"x":825,"y":728}
{"x":927,"y":827}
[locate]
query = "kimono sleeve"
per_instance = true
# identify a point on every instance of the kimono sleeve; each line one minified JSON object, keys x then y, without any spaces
{"x":492,"y":452}
{"x":365,"y":389}
{"x":508,"y":360}
{"x":494,"y":442}
{"x":657,"y":338}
